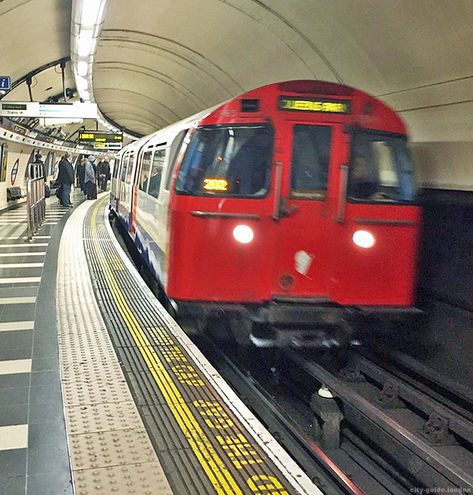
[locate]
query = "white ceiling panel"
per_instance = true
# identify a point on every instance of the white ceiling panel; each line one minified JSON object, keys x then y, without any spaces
{"x":178,"y":57}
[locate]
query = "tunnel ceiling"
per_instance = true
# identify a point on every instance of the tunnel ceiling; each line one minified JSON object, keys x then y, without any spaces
{"x":34,"y":34}
{"x":165,"y":60}
{"x":158,"y":61}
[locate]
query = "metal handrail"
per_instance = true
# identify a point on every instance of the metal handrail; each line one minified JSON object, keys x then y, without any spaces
{"x":35,"y":199}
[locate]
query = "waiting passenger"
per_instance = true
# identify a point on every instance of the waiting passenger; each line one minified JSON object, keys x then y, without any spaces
{"x":103,"y":173}
{"x":80,"y":173}
{"x":90,"y":183}
{"x":65,"y":179}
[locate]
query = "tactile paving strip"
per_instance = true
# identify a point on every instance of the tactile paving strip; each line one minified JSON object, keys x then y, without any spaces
{"x":103,"y":417}
{"x":143,"y":479}
{"x":97,"y":390}
{"x":109,"y":447}
{"x":202,"y":444}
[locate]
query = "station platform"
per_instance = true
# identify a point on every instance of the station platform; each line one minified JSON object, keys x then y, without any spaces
{"x":101,"y":390}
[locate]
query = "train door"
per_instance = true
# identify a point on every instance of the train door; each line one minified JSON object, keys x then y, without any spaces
{"x":114,"y":186}
{"x":141,"y":200}
{"x":373,"y":234}
{"x":134,"y":184}
{"x":312,"y":152}
{"x":155,"y":191}
{"x":169,"y":164}
{"x":121,"y":186}
{"x":128,"y":197}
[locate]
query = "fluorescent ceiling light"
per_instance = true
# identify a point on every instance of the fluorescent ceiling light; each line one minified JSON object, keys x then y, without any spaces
{"x":82,"y":68}
{"x":90,"y":12}
{"x":82,"y":84}
{"x":85,"y":43}
{"x":87,"y":20}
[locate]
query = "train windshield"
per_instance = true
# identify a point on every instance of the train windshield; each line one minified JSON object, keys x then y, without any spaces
{"x":381,"y":169}
{"x":227,"y":161}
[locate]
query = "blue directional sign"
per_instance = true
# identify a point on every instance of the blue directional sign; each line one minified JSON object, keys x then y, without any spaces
{"x":5,"y":83}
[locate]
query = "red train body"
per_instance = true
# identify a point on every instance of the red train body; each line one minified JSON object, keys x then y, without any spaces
{"x":291,"y":204}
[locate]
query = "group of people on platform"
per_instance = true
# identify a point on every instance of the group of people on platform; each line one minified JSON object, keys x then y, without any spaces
{"x":88,"y":175}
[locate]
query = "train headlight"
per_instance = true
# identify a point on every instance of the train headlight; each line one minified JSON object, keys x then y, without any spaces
{"x":243,"y":234}
{"x":364,"y":239}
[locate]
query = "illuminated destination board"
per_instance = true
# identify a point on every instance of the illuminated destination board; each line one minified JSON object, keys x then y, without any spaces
{"x":319,"y":105}
{"x":101,"y":140}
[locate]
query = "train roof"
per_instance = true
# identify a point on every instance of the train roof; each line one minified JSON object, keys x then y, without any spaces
{"x":167,"y":134}
{"x":307,"y":87}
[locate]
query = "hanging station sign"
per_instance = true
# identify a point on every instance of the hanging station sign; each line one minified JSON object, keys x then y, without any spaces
{"x":101,"y":140}
{"x":53,"y":110}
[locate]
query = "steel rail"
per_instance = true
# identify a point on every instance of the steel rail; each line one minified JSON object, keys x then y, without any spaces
{"x":433,"y":456}
{"x":419,"y":399}
{"x":296,"y":441}
{"x":449,"y":387}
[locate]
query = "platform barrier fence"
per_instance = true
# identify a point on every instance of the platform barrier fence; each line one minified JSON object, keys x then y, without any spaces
{"x":35,"y":199}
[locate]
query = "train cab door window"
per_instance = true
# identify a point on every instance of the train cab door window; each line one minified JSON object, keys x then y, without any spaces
{"x":310,"y":161}
{"x":381,"y":169}
{"x":227,"y":161}
{"x":145,"y":170}
{"x":156,"y":172}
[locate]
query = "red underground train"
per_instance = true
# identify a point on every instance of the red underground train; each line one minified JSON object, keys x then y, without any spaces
{"x":291,"y":207}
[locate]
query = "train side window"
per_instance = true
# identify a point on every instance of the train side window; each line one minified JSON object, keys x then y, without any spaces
{"x":145,"y":170}
{"x":116,"y":166}
{"x":173,"y":152}
{"x":310,"y":161}
{"x":156,"y":172}
{"x":124,"y":167}
{"x":130,"y":168}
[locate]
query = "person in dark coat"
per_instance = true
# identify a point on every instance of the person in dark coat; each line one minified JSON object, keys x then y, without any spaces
{"x":103,"y":173}
{"x":80,"y":173}
{"x":65,"y":179}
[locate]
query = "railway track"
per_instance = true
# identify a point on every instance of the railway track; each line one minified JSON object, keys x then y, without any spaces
{"x":382,"y":431}
{"x":351,"y":467}
{"x":282,"y":421}
{"x":426,"y":440}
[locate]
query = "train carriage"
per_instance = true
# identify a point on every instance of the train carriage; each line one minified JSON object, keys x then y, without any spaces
{"x":292,"y":205}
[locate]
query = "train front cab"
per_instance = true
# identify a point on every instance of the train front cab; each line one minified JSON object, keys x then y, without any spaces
{"x":297,"y":235}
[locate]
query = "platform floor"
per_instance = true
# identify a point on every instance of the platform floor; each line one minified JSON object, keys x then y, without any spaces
{"x":101,"y":391}
{"x":33,"y":452}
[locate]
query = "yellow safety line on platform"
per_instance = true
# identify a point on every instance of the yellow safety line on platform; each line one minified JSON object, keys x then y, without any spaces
{"x":213,"y":465}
